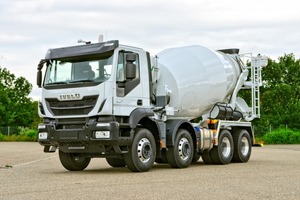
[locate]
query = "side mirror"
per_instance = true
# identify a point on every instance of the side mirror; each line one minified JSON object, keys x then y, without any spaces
{"x":39,"y":78}
{"x":130,"y":66}
{"x":39,"y":73}
{"x":131,"y":57}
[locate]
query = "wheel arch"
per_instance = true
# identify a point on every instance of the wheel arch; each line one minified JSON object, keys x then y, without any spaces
{"x":141,"y":117}
{"x":138,"y":114}
{"x":152,"y":126}
{"x":172,"y":128}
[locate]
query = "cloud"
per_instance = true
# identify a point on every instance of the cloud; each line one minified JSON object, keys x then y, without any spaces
{"x":5,"y":38}
{"x":30,"y":27}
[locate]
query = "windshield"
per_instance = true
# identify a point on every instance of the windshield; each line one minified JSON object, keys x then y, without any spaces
{"x":81,"y":71}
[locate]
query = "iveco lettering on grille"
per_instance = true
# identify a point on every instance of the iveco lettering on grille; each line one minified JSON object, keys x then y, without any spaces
{"x":69,"y":96}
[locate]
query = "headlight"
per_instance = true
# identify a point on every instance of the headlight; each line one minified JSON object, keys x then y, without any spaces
{"x":102,"y":134}
{"x":43,"y":135}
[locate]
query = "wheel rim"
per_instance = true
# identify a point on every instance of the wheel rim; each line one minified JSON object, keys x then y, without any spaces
{"x":144,"y":150}
{"x":226,"y":147}
{"x":184,"y":149}
{"x":245,"y":146}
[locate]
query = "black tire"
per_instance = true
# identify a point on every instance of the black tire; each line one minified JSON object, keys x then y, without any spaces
{"x":181,"y":154}
{"x":116,"y":162}
{"x":223,"y":153}
{"x":74,"y":161}
{"x":142,"y":152}
{"x":206,"y":157}
{"x":242,"y":146}
{"x":196,"y":157}
{"x":163,"y":159}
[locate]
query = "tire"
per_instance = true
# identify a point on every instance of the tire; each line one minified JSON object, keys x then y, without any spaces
{"x":206,"y":157}
{"x":242,"y":146}
{"x":223,"y":153}
{"x":116,"y":162}
{"x":162,"y":159}
{"x":142,"y":152}
{"x":196,"y":157}
{"x":181,"y":154}
{"x":74,"y":161}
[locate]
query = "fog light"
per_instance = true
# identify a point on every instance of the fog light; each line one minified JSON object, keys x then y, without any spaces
{"x":102,"y":134}
{"x":43,"y":135}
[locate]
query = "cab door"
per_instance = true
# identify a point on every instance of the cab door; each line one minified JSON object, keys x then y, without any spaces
{"x":129,"y":87}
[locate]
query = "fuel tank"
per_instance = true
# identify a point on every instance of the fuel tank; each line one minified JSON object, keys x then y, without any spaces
{"x":196,"y":78}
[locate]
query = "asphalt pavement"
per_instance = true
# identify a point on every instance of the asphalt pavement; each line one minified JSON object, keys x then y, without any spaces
{"x":26,"y":172}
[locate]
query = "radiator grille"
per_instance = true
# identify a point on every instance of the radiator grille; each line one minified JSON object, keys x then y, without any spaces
{"x":72,"y":107}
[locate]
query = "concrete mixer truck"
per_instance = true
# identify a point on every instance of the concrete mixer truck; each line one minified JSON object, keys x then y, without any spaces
{"x":107,"y":100}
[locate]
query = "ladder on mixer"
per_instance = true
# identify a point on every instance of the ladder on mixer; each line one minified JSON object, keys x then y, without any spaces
{"x":256,"y":82}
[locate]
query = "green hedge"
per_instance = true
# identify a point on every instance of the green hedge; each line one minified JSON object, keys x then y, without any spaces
{"x":25,"y":134}
{"x":282,"y":136}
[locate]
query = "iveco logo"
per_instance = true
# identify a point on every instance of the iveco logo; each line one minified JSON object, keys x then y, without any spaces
{"x":69,"y":96}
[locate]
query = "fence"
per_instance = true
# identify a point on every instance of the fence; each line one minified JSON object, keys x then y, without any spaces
{"x":10,"y":130}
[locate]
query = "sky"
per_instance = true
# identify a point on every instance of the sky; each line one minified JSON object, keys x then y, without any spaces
{"x":28,"y":28}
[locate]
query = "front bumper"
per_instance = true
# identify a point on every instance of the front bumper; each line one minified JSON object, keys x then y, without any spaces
{"x":92,"y":137}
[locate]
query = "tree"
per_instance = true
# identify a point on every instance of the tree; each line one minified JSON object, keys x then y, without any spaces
{"x":286,"y":71}
{"x":15,"y":106}
{"x":281,"y":91}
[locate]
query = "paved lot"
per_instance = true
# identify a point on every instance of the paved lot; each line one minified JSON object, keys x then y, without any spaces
{"x":273,"y":172}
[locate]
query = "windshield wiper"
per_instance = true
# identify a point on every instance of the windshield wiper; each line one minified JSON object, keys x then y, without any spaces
{"x":57,"y":83}
{"x":82,"y":81}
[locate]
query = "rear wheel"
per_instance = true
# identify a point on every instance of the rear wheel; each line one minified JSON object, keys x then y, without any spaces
{"x":242,"y":146}
{"x":206,"y":157}
{"x":223,"y":153}
{"x":116,"y":162}
{"x":142,"y":152}
{"x":74,"y":161}
{"x":181,"y":154}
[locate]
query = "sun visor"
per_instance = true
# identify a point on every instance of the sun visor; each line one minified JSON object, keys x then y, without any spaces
{"x":82,"y":50}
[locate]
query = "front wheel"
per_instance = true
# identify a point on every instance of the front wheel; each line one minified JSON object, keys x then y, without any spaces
{"x":74,"y":161}
{"x":116,"y":162}
{"x":223,"y":153}
{"x":142,"y":152}
{"x":196,"y":157}
{"x":181,"y":154}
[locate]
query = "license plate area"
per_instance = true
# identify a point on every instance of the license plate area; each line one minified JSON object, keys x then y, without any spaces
{"x":69,"y":135}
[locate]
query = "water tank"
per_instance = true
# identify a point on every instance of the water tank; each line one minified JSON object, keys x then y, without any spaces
{"x":196,"y":77}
